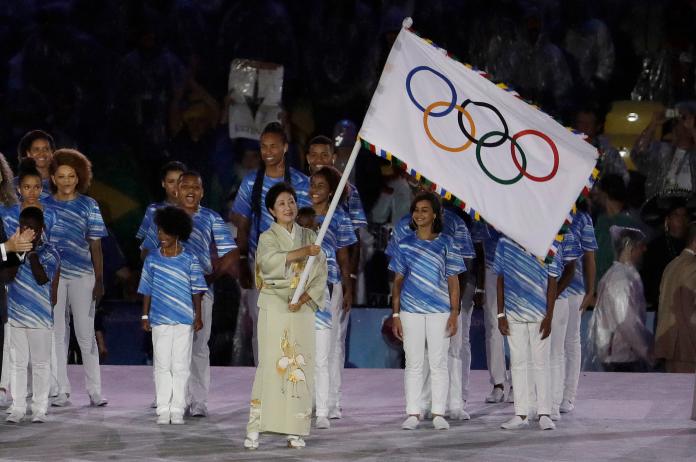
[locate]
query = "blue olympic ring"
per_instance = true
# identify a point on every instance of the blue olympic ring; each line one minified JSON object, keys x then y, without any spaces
{"x":453,"y":102}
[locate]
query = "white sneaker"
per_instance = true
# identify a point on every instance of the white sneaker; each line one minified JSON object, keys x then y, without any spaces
{"x":411,"y":423}
{"x":515,"y":423}
{"x":97,"y":401}
{"x":545,"y":423}
{"x":459,"y":414}
{"x":555,"y":415}
{"x":439,"y":423}
{"x":296,"y":442}
{"x":496,"y":396}
{"x":510,"y":397}
{"x":40,"y":417}
{"x":15,"y":417}
{"x":163,"y":418}
{"x":322,"y":422}
{"x":251,"y":441}
{"x":177,"y":419}
{"x":198,"y":410}
{"x":61,"y":400}
{"x":567,"y":406}
{"x":335,"y":413}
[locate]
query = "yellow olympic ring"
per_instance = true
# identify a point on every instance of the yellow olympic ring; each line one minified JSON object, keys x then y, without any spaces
{"x":437,"y":104}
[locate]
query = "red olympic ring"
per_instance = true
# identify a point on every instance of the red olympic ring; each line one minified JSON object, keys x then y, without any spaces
{"x":551,"y":144}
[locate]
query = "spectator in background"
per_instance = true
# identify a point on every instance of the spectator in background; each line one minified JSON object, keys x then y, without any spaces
{"x":668,"y":165}
{"x":395,"y":199}
{"x":675,"y":338}
{"x":611,"y":195}
{"x":589,"y":121}
{"x":665,"y":247}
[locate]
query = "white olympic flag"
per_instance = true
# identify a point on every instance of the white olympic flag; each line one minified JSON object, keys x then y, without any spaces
{"x":510,"y":162}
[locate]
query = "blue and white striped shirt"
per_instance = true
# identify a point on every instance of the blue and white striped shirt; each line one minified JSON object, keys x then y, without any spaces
{"x":10,"y":219}
{"x":526,"y":281}
{"x":452,"y":225}
{"x":568,"y":251}
{"x":339,"y":234}
{"x":354,"y":208}
{"x":490,"y":244}
{"x":170,"y":282}
{"x":242,"y":203}
{"x":426,"y":265}
{"x":78,"y":221}
{"x":208,"y":229}
{"x":583,"y":229}
{"x":149,"y":218}
{"x":28,"y":303}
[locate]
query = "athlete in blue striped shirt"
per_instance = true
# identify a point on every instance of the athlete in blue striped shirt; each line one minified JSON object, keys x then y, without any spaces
{"x":169,"y":174}
{"x":425,"y":303}
{"x":251,"y":217}
{"x":526,"y":293}
{"x":172,"y":284}
{"x":210,"y":233}
{"x":38,"y":146}
{"x":30,"y":299}
{"x":77,"y":235}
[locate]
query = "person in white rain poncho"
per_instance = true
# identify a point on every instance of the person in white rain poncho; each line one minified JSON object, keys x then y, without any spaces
{"x":618,"y":336}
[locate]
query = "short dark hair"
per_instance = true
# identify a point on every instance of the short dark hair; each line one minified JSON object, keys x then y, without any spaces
{"x":275,"y":191}
{"x":321,"y":139}
{"x":174,"y":221}
{"x":277,"y":128}
{"x":33,"y":214}
{"x":172,"y":166}
{"x":79,"y":162}
{"x":27,"y":167}
{"x":29,"y":138}
{"x":306,"y":212}
{"x":193,"y":173}
{"x":614,"y":186}
{"x":333,"y":177}
{"x":434,"y":203}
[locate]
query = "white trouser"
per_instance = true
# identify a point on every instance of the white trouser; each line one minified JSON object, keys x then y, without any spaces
{"x":419,"y":330}
{"x":199,"y":380}
{"x":30,"y":346}
{"x":171,"y":348}
{"x":54,"y":387}
{"x":495,"y":349}
{"x":529,"y":365}
{"x":76,"y":294}
{"x":559,"y":324}
{"x":573,"y":348}
{"x":321,"y":371}
{"x":337,"y":355}
{"x":6,"y":373}
{"x":458,"y":359}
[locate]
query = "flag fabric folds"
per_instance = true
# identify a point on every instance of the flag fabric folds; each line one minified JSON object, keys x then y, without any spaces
{"x":504,"y":158}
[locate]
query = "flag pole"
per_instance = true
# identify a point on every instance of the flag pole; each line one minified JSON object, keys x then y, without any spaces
{"x":327,"y":219}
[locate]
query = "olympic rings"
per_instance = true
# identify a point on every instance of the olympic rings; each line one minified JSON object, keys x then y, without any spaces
{"x":461,"y":110}
{"x":487,"y":172}
{"x":470,"y":134}
{"x":551,"y":144}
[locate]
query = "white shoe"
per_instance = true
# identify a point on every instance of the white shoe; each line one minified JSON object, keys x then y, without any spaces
{"x":411,"y":423}
{"x":439,"y":423}
{"x":177,"y":419}
{"x":510,"y":397}
{"x":163,"y":418}
{"x":515,"y":423}
{"x":40,"y":417}
{"x":15,"y":417}
{"x":335,"y":413}
{"x":251,"y":441}
{"x":545,"y":423}
{"x":10,"y":409}
{"x":459,"y":414}
{"x":61,"y":400}
{"x":97,"y":401}
{"x":555,"y":415}
{"x":496,"y":396}
{"x":567,"y":406}
{"x":198,"y":410}
{"x":322,"y":422}
{"x":296,"y":442}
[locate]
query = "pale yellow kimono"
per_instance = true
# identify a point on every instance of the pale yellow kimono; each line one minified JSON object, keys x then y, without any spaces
{"x":281,"y":398}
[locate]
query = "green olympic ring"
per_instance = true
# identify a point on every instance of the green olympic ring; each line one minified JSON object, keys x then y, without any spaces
{"x":487,"y":172}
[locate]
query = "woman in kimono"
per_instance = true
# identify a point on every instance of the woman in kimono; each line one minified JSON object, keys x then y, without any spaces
{"x":618,"y":337}
{"x":281,"y":398}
